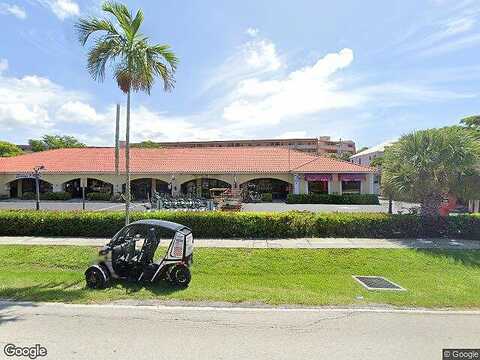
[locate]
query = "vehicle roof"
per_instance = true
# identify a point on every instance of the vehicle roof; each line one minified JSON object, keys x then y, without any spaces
{"x":162,"y":223}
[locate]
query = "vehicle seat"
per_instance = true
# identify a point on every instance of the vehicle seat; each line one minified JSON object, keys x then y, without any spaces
{"x":149,"y":246}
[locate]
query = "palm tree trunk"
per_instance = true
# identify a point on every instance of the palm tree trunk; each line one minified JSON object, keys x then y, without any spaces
{"x":430,"y":205}
{"x":127,"y":163}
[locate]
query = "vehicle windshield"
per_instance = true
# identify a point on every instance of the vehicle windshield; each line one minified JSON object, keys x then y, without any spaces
{"x":130,"y":232}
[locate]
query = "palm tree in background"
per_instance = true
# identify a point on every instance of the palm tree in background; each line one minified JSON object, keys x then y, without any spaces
{"x":427,"y":165}
{"x":134,"y":61}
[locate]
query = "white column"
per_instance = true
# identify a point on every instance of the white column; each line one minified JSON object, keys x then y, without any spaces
{"x":329,"y":186}
{"x":367,"y":185}
{"x":337,"y":184}
{"x":19,"y":188}
{"x":117,"y":188}
{"x":57,"y":187}
{"x":296,"y":184}
{"x":5,"y":190}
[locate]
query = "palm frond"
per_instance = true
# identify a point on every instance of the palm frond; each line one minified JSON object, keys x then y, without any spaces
{"x":85,"y":27}
{"x":121,"y":14}
{"x":135,"y":62}
{"x":135,"y":25}
{"x":105,"y":50}
{"x":164,"y":52}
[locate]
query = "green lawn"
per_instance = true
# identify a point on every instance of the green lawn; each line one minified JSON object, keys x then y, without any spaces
{"x":273,"y":276}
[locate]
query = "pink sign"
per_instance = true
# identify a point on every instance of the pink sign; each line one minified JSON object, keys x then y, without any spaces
{"x":318,"y":177}
{"x":351,"y":177}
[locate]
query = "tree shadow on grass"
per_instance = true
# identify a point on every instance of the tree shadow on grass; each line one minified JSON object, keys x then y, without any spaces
{"x":469,"y":258}
{"x":51,"y":291}
{"x":159,"y":288}
{"x":76,"y":291}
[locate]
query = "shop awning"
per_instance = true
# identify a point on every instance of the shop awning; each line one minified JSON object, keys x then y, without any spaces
{"x":318,"y":177}
{"x":351,"y":177}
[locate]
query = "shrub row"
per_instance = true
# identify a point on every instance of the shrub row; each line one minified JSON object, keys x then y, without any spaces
{"x":47,"y":196}
{"x":242,"y":224}
{"x":267,"y":197}
{"x":98,"y":196}
{"x":353,"y":199}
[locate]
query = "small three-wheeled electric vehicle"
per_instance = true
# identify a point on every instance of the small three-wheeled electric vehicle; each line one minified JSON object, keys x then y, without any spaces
{"x":130,"y":255}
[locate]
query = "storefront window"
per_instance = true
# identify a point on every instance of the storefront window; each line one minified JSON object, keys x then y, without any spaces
{"x":202,"y":187}
{"x":351,"y":187}
{"x":318,"y":187}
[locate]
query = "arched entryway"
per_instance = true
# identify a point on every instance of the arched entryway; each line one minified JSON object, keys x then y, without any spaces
{"x":201,"y":186}
{"x":98,"y":186}
{"x":20,"y":187}
{"x":73,"y":187}
{"x":142,"y":188}
{"x":278,"y":188}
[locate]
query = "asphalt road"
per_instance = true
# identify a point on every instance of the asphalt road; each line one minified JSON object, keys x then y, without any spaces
{"x":162,"y":332}
{"x":398,"y":207}
{"x":103,"y":206}
{"x":68,"y":205}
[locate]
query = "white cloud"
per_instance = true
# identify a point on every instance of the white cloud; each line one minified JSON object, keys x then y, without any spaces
{"x":33,"y":105}
{"x":148,"y":125}
{"x":82,"y":113}
{"x":62,"y":8}
{"x":401,"y":94}
{"x":458,"y":26}
{"x":452,"y":28}
{"x":262,"y":54}
{"x":27,"y":103}
{"x":254,"y":58}
{"x":255,"y":100}
{"x":14,"y":10}
{"x":252,"y":31}
{"x":302,"y":92}
{"x":453,"y":45}
{"x":3,"y":65}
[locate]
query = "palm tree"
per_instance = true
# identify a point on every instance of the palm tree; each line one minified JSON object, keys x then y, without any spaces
{"x":134,"y":61}
{"x":427,"y":165}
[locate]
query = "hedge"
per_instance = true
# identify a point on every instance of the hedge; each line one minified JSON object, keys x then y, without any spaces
{"x":242,"y":224}
{"x":62,"y":195}
{"x":352,"y":199}
{"x":267,"y":197}
{"x":98,"y":196}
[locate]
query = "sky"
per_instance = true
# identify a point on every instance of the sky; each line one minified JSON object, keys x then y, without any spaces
{"x":368,"y":71}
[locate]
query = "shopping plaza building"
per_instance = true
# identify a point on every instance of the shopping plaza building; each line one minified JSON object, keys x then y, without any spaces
{"x":176,"y":171}
{"x":317,"y":145}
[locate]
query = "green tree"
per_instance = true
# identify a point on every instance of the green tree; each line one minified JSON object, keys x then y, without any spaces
{"x":135,"y":62}
{"x":8,"y":149}
{"x":345,"y":156}
{"x":426,"y":165}
{"x":472,"y":123}
{"x":377,"y":162}
{"x":362,"y":149}
{"x":50,"y":142}
{"x":147,"y":144}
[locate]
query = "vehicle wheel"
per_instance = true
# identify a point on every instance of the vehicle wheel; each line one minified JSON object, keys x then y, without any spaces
{"x":180,"y":276}
{"x":96,"y":277}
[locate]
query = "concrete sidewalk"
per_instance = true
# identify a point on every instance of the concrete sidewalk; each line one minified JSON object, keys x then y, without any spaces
{"x":300,"y":243}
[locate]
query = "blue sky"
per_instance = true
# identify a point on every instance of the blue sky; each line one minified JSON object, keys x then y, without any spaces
{"x":362,"y":70}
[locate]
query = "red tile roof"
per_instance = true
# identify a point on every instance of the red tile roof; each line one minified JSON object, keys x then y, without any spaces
{"x":179,"y":160}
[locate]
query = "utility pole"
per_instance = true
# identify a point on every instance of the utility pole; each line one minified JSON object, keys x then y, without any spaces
{"x":117,"y":141}
{"x":36,"y":175}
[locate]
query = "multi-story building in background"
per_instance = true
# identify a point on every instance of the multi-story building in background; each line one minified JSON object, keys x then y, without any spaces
{"x":365,"y":158}
{"x":318,"y":146}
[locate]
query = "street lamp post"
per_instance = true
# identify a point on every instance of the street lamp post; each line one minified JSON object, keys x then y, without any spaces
{"x":36,"y":175}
